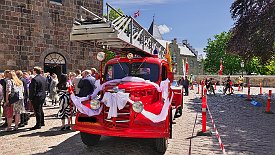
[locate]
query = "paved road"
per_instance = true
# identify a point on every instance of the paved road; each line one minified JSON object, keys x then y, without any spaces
{"x":244,"y":129}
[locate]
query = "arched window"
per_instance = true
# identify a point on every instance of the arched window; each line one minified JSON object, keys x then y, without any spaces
{"x":55,"y":58}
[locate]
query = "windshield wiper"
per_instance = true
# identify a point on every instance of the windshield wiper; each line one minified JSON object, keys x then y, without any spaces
{"x":122,"y":68}
{"x":141,"y":64}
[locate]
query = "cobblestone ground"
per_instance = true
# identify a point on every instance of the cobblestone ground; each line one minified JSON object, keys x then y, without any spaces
{"x":244,"y":129}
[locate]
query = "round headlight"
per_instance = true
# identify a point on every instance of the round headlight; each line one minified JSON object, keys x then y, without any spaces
{"x":138,"y":107}
{"x":95,"y":104}
{"x":100,"y":56}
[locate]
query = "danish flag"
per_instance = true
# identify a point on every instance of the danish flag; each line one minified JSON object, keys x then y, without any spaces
{"x":136,"y":14}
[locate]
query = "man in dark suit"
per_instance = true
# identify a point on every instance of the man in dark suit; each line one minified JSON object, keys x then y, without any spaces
{"x":86,"y":84}
{"x":37,"y":96}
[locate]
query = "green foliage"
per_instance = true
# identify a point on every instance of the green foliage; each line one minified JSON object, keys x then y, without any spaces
{"x":109,"y":55}
{"x":253,"y":66}
{"x":253,"y":34}
{"x":270,"y":67}
{"x":113,"y":14}
{"x":215,"y":51}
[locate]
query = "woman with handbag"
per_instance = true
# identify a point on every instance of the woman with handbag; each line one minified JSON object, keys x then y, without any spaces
{"x":14,"y":99}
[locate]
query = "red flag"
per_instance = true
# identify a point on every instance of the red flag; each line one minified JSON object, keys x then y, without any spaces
{"x":221,"y":68}
{"x":186,"y":67}
{"x":136,"y":14}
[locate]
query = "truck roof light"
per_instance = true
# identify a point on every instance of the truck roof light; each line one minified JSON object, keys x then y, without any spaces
{"x":130,"y":56}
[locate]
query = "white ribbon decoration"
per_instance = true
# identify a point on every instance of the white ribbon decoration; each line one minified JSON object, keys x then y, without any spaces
{"x":118,"y":100}
{"x":165,"y":109}
{"x":160,"y":117}
{"x":115,"y":101}
{"x":82,"y":108}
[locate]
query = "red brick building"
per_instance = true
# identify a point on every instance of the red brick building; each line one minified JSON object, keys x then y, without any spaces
{"x":37,"y":33}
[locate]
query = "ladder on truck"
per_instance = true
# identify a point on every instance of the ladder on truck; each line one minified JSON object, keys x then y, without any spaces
{"x":121,"y":34}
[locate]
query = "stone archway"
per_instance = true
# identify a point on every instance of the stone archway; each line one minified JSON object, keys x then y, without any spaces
{"x":54,"y":50}
{"x":55,"y":63}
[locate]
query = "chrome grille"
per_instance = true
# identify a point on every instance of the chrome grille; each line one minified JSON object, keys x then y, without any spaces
{"x":121,"y":121}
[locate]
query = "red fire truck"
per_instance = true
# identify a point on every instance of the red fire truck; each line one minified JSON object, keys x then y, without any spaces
{"x":134,"y":98}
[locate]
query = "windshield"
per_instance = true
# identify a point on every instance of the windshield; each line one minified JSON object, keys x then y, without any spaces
{"x":147,"y":71}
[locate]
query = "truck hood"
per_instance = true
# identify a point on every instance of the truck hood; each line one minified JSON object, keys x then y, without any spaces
{"x":135,"y":85}
{"x":139,"y":91}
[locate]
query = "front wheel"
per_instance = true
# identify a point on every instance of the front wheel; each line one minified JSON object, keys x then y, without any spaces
{"x":89,"y":139}
{"x":161,"y":145}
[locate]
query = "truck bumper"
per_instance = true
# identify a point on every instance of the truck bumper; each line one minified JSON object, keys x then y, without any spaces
{"x":98,"y":129}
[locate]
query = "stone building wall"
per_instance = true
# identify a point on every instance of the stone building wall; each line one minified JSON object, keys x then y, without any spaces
{"x":192,"y":60}
{"x":31,"y":29}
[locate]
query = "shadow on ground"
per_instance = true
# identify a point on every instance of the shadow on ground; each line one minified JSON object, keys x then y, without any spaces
{"x":243,"y":127}
{"x":51,"y":132}
{"x":106,"y":146}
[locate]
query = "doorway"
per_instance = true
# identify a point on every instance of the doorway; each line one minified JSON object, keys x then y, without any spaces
{"x":55,"y":63}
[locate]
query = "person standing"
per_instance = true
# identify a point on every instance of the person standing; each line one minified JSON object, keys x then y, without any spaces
{"x":23,"y":116}
{"x":16,"y":85}
{"x":48,"y":80}
{"x":1,"y":95}
{"x":76,"y":81}
{"x":53,"y":89}
{"x":186,"y":85}
{"x":94,"y":73}
{"x":86,"y":84}
{"x":37,"y":96}
{"x":65,"y":110}
{"x":227,"y":85}
{"x":28,"y":106}
{"x":7,"y":110}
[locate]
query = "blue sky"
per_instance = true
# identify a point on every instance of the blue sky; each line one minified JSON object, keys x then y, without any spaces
{"x":194,"y":20}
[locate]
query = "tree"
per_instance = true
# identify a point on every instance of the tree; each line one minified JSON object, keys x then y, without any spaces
{"x":215,"y":51}
{"x":271,"y":67}
{"x":254,"y":32}
{"x":109,"y":55}
{"x":113,"y":14}
{"x":253,"y":66}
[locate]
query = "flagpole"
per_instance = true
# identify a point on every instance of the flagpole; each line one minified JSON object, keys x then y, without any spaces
{"x":220,"y":73}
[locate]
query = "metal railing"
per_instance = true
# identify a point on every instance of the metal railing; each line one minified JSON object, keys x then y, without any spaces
{"x":119,"y":33}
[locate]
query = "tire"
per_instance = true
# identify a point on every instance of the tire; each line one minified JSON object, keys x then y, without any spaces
{"x":89,"y":139}
{"x":179,"y":112}
{"x":170,"y":124}
{"x":161,"y":145}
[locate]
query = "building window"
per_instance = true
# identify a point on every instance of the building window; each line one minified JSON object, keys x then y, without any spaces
{"x":54,"y":58}
{"x":57,"y":2}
